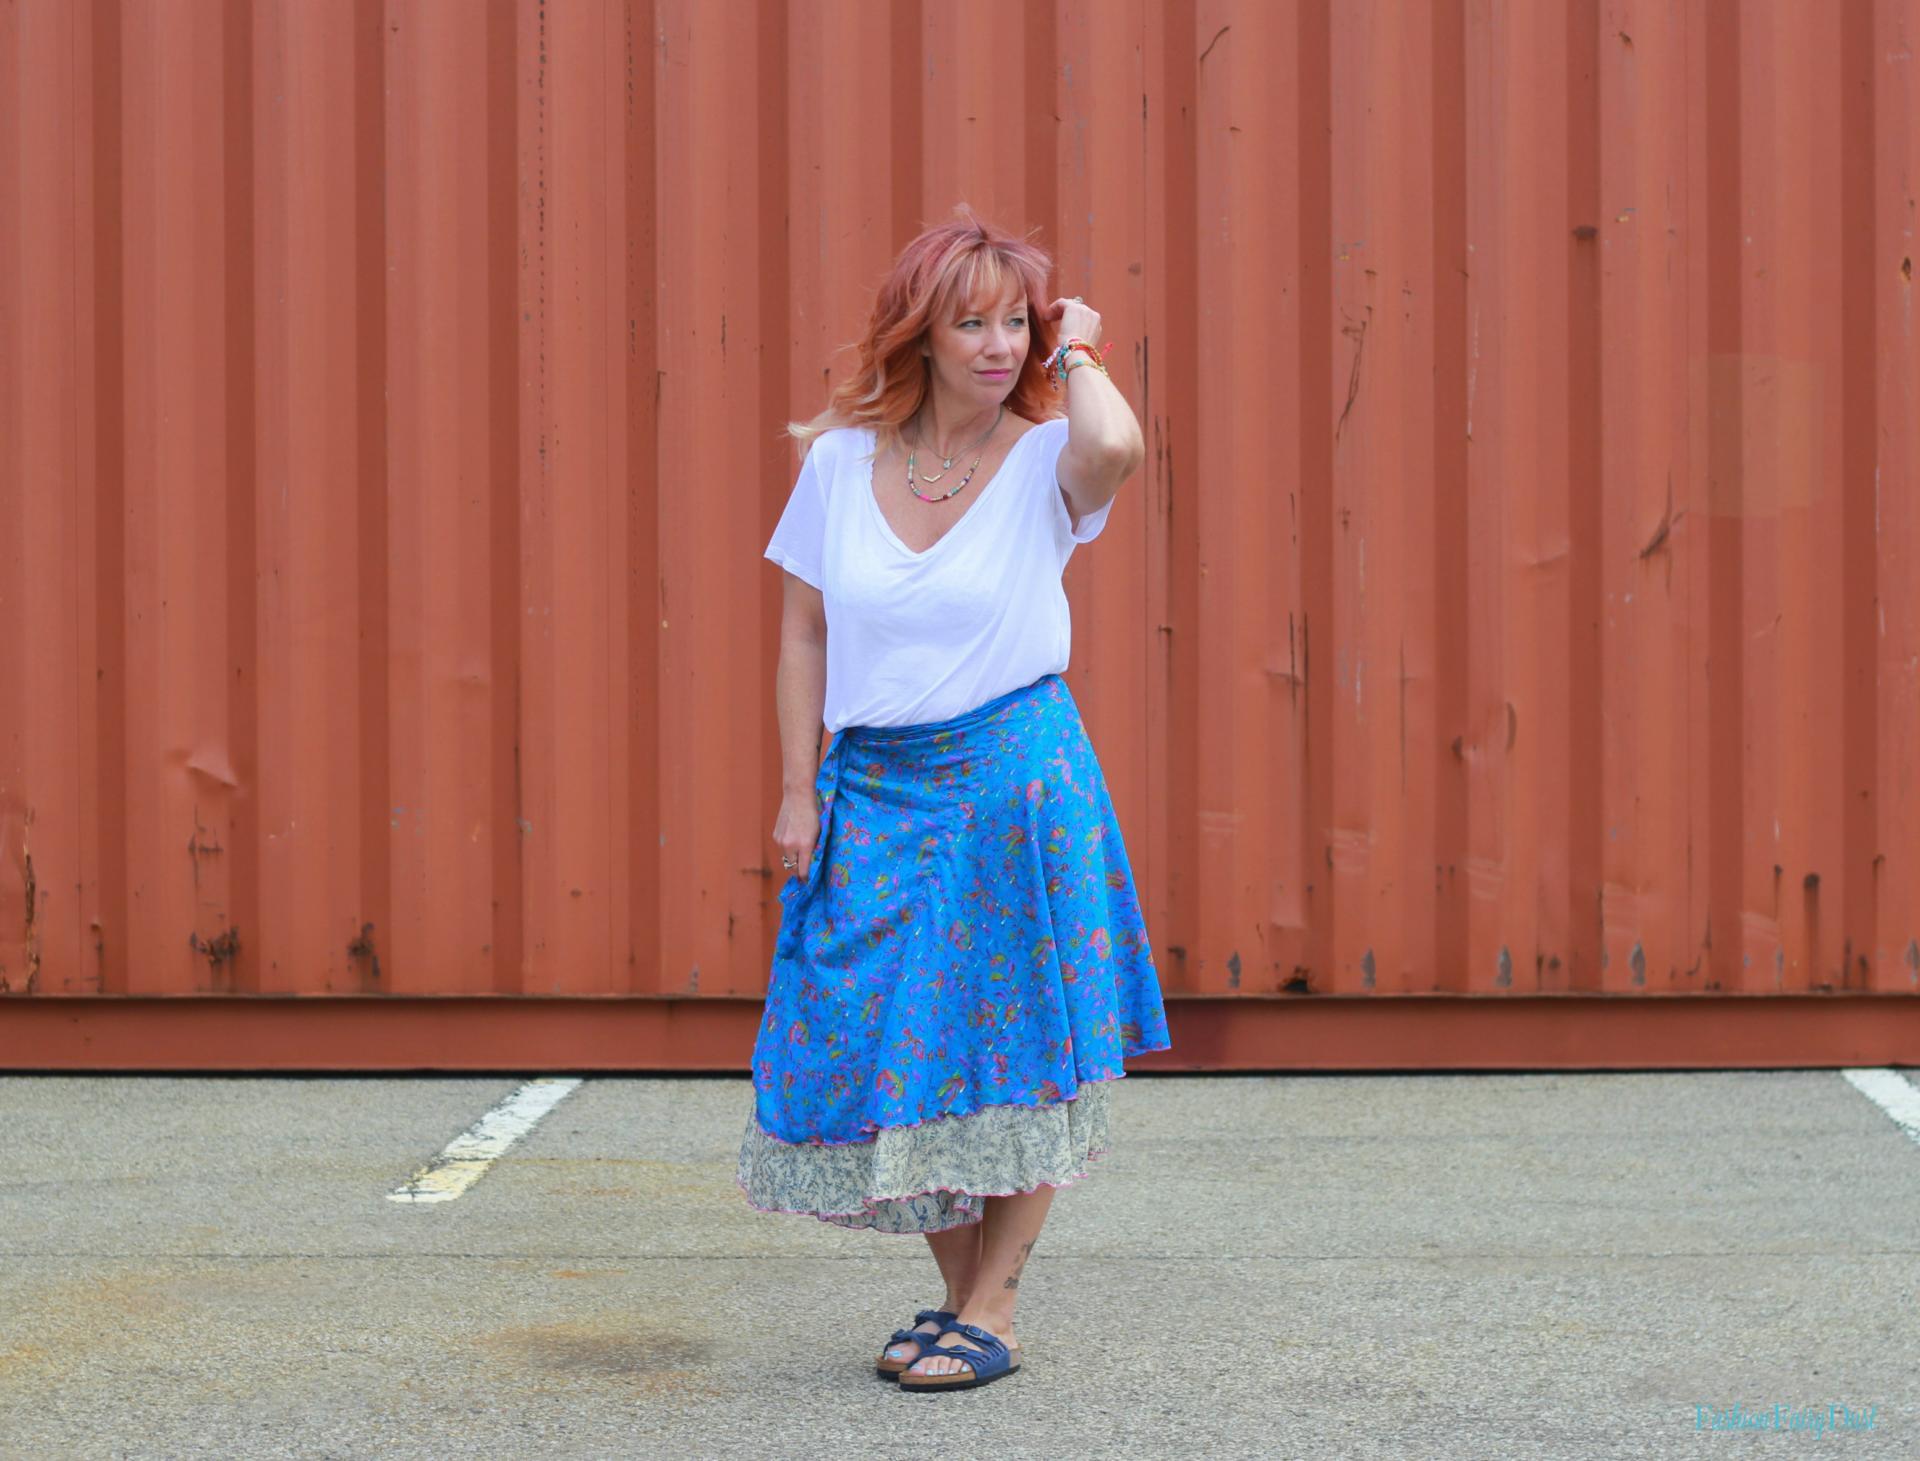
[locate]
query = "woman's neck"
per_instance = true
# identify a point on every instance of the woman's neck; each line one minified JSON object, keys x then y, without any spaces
{"x":946,"y":426}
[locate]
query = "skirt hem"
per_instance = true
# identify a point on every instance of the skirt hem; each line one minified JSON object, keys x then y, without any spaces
{"x":874,"y":1202}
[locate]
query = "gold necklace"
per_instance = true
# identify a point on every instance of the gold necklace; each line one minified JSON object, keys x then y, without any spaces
{"x":946,"y":463}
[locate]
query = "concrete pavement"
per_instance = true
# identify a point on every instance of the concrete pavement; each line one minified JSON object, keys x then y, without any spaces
{"x":1315,"y":1266}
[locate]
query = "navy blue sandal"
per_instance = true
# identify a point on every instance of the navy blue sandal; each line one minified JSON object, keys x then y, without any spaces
{"x":987,"y":1359}
{"x":891,"y":1367}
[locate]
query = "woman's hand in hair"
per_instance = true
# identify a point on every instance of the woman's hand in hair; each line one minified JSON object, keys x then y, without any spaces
{"x":1076,"y":318}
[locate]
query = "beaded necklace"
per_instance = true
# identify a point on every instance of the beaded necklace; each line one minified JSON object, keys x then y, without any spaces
{"x":946,"y":463}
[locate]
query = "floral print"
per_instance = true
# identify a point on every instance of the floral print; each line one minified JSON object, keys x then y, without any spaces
{"x":966,"y":937}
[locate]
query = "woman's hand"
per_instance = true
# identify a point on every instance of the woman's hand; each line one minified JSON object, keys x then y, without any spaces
{"x":797,"y":828}
{"x":1075,"y":319}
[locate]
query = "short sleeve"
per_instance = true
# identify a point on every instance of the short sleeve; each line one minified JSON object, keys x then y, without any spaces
{"x":799,"y":539}
{"x":1064,"y":530}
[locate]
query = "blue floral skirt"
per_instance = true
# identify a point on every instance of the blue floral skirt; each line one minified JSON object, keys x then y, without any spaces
{"x":962,"y":966}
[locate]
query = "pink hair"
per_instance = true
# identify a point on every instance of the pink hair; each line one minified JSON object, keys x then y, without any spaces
{"x":939,"y":274}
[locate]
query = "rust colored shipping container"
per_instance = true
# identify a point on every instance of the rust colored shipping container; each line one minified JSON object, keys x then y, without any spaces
{"x":1520,"y":600}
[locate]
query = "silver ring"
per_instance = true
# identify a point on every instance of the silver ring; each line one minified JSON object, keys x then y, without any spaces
{"x":1078,"y":300}
{"x":786,"y":862}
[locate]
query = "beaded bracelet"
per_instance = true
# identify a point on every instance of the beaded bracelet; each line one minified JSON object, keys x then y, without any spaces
{"x":1053,"y":360}
{"x":1074,"y":342}
{"x":1059,"y":361}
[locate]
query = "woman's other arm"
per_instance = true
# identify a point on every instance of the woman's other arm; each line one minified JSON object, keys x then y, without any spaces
{"x":800,"y":693}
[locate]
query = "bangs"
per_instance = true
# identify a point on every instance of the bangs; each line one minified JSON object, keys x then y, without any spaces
{"x":979,"y":282}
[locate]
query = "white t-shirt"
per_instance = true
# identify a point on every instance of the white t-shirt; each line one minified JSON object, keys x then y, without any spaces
{"x":914,"y":637}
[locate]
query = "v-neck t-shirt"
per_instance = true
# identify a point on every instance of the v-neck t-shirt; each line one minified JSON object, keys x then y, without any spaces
{"x":916,"y":637}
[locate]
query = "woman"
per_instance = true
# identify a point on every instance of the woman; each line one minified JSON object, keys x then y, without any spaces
{"x":963,"y":963}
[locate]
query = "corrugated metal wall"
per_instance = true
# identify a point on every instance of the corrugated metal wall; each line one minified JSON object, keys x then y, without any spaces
{"x":1520,"y":597}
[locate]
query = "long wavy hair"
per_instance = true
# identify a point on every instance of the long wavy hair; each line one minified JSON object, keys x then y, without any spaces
{"x":936,"y":276}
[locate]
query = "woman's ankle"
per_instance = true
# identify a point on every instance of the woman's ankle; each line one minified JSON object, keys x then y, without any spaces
{"x":994,"y":1321}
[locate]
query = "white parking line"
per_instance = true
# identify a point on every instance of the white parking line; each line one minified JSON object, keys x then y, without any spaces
{"x":1893,"y":1093}
{"x":467,"y":1157}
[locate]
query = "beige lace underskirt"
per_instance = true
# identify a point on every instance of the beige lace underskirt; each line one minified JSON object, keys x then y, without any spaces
{"x":931,"y":1176}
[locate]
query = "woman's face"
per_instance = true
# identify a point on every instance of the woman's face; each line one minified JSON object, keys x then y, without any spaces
{"x":979,"y":356}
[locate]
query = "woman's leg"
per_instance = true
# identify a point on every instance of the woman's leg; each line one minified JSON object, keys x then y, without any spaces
{"x":957,"y":1251}
{"x":1011,"y":1228}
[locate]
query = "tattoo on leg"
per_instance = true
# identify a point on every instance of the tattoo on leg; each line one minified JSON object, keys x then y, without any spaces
{"x":1013,"y":1279}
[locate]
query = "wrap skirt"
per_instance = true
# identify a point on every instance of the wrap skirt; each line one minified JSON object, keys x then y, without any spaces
{"x":958,"y":974}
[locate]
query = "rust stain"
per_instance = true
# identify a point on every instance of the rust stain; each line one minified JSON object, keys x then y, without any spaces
{"x":82,"y":1318}
{"x":362,"y":948}
{"x":31,"y":892}
{"x":218,"y":949}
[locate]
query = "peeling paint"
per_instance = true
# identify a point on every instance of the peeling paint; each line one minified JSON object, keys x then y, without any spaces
{"x":362,"y":948}
{"x":218,"y":949}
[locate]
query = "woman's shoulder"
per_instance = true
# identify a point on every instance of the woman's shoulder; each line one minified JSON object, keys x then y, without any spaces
{"x":825,"y":451}
{"x":839,"y":442}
